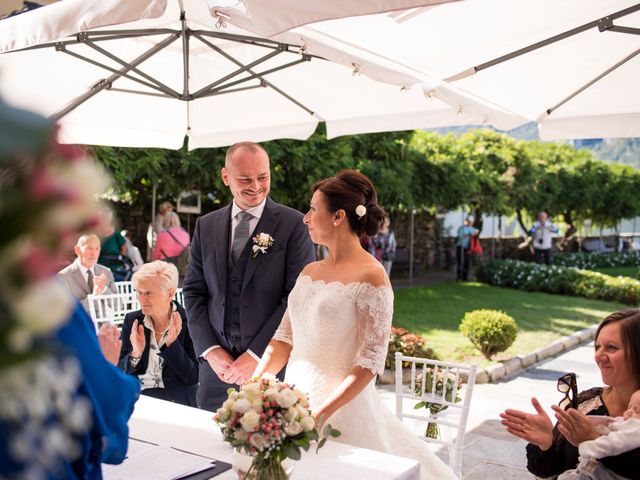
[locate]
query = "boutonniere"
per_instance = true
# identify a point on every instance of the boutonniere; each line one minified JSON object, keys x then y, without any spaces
{"x":261,"y":243}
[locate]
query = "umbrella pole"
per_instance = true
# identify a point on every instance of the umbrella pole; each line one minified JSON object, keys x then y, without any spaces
{"x":411,"y":246}
{"x":153,"y":218}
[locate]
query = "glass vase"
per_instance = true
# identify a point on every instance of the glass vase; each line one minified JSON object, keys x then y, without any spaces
{"x":248,"y":467}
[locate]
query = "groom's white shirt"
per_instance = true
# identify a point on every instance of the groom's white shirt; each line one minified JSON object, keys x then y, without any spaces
{"x":257,"y":213}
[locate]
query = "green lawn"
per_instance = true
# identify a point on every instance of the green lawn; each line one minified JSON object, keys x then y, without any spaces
{"x":435,"y":312}
{"x":619,"y":271}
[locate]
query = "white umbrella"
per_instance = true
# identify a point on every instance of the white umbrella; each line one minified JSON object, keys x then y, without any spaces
{"x":571,"y":65}
{"x":231,"y":86}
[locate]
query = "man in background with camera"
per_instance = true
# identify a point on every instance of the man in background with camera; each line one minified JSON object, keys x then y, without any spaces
{"x":542,"y":232}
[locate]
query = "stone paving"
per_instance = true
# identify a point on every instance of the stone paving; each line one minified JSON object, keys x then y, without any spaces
{"x":491,"y":452}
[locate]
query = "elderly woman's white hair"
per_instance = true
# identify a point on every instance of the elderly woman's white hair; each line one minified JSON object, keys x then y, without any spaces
{"x":165,"y":272}
{"x":170,"y":220}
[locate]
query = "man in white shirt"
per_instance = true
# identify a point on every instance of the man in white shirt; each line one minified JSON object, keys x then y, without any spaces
{"x":85,"y":275}
{"x":245,"y":259}
{"x":542,"y":232}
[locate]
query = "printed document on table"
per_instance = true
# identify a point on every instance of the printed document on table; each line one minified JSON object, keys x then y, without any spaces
{"x":155,"y":462}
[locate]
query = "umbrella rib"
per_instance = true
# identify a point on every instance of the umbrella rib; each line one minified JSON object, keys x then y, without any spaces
{"x":543,"y":43}
{"x":110,"y":69}
{"x":106,"y":83}
{"x":242,"y":69}
{"x":629,"y":30}
{"x":81,"y":38}
{"x":259,"y":75}
{"x":166,"y":89}
{"x":589,"y":84}
{"x":264,"y":83}
{"x":139,"y":92}
{"x":231,"y":90}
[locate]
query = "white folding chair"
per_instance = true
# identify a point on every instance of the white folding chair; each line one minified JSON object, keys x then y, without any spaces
{"x":124,"y":286}
{"x":179,"y":296}
{"x":460,"y":380}
{"x":112,"y":307}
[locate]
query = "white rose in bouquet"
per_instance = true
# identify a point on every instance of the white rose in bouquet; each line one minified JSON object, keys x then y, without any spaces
{"x":269,"y":379}
{"x":292,"y":429}
{"x":286,"y":398}
{"x":258,"y":441}
{"x":250,"y":421}
{"x":252,"y":390}
{"x":271,"y":394}
{"x":242,"y":405}
{"x":224,"y":414}
{"x":308,"y":423}
{"x":304,"y":400}
{"x":291,"y":414}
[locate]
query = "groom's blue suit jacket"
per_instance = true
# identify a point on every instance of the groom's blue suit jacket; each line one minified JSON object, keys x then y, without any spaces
{"x":267,"y":279}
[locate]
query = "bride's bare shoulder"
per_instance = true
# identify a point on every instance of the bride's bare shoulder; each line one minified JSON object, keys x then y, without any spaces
{"x":311,"y":268}
{"x":375,"y":275}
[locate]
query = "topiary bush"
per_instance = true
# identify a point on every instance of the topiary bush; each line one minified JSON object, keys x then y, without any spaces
{"x":490,"y":331}
{"x":564,"y":281}
{"x":407,"y":343}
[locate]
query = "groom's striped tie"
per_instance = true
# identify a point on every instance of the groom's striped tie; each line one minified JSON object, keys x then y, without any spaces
{"x":241,"y":235}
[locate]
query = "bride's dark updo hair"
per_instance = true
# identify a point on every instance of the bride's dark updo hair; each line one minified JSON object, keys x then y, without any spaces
{"x":348,"y":190}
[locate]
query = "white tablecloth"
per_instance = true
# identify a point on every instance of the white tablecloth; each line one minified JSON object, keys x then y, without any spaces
{"x":194,"y":430}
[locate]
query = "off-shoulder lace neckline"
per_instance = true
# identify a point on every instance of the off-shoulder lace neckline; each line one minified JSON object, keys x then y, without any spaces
{"x":338,"y":282}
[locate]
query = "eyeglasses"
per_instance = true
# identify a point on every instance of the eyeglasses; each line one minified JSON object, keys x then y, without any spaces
{"x":567,"y":384}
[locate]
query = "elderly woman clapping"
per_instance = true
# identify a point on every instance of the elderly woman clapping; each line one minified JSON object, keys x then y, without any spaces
{"x":156,"y":346}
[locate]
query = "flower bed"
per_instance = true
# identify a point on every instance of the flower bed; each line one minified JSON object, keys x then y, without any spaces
{"x":589,"y":261}
{"x":560,"y":280}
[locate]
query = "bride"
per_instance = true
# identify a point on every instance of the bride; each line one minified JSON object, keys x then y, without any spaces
{"x":334,"y":336}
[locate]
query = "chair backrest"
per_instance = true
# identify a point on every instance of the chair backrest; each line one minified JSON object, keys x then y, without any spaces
{"x":124,"y":287}
{"x":445,"y":389}
{"x":112,"y":307}
{"x":179,"y":296}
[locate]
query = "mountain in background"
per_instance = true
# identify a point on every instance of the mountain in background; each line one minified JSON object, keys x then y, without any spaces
{"x":620,"y":150}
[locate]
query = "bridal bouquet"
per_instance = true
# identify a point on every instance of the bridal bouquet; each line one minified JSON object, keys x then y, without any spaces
{"x":270,"y":421}
{"x":436,"y":386}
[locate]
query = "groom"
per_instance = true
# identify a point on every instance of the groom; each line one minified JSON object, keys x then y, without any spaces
{"x":236,"y":294}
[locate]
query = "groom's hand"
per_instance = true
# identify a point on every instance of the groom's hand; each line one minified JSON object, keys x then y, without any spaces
{"x":241,"y":370}
{"x":219,"y":361}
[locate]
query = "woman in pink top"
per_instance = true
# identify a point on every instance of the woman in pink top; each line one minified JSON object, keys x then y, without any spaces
{"x":172,"y":240}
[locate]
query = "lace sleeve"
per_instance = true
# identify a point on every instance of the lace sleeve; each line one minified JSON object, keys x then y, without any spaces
{"x":283,"y":333}
{"x":375,"y":312}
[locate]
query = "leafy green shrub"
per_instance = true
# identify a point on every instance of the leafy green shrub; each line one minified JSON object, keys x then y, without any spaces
{"x":490,"y":331}
{"x":564,"y":281}
{"x":590,"y":261}
{"x":407,"y":343}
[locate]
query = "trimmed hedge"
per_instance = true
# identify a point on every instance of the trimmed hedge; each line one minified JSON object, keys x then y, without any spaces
{"x":589,"y":261}
{"x":564,"y":281}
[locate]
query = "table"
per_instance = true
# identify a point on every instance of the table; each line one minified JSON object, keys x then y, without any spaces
{"x":194,"y":430}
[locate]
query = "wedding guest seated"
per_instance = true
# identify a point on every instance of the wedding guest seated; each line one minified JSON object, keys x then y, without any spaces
{"x":618,"y":435}
{"x":156,"y":346}
{"x":554,"y":450}
{"x":133,"y":252}
{"x":85,"y":275}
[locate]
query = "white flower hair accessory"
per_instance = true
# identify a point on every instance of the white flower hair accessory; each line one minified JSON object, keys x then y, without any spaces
{"x":361,"y":211}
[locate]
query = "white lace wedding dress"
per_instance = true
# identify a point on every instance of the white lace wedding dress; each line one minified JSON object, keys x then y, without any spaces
{"x":332,"y":328}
